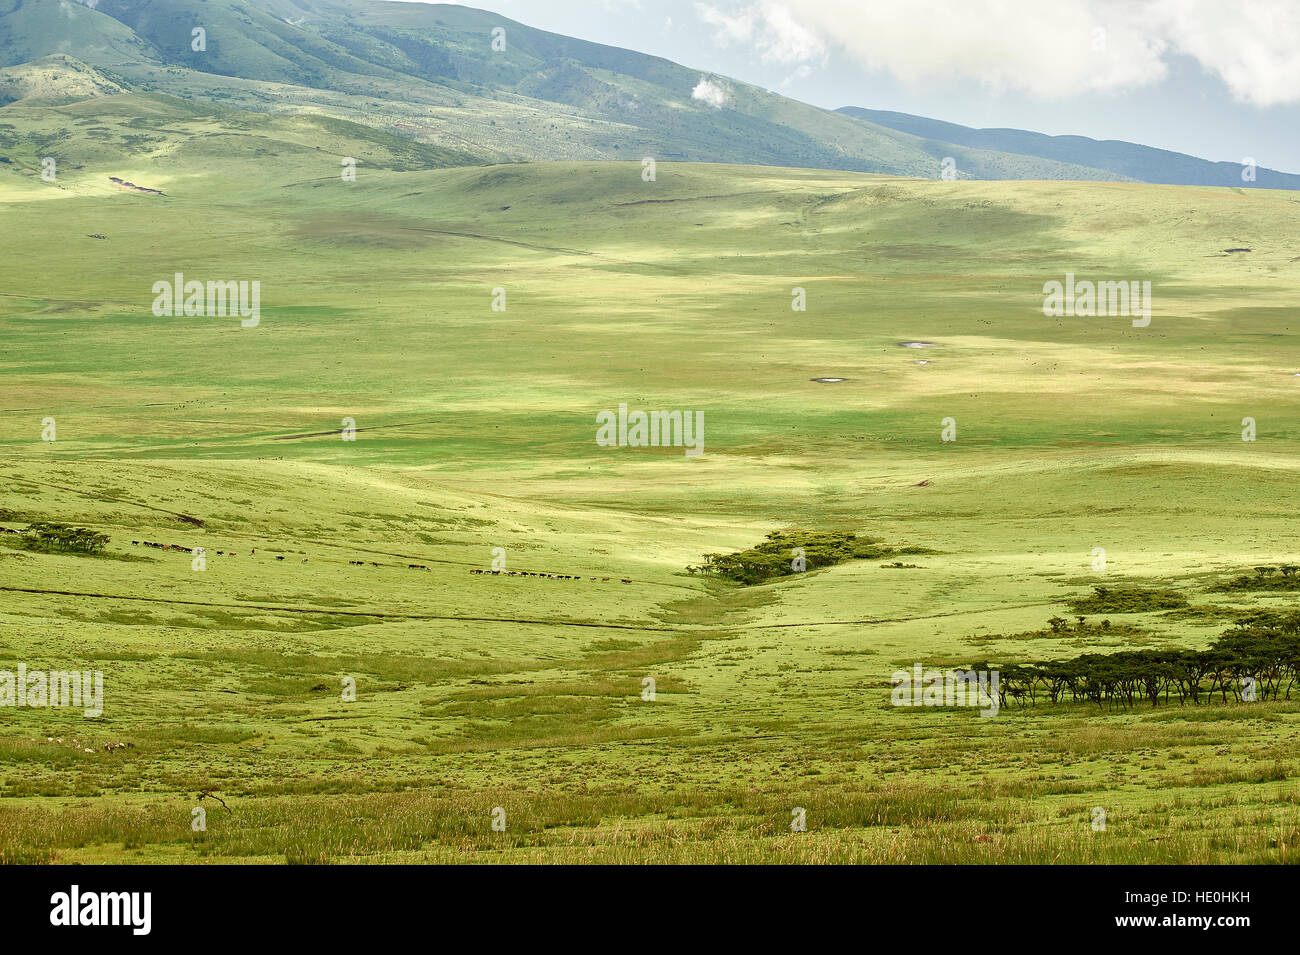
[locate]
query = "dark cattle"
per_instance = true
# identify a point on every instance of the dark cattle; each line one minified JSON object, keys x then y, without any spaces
{"x":279,"y":557}
{"x":626,"y":581}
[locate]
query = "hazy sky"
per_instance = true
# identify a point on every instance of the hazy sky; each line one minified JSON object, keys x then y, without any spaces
{"x":1218,"y":79}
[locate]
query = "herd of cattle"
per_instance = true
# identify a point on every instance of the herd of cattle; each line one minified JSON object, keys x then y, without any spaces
{"x":529,"y":573}
{"x":190,"y":550}
{"x":166,"y":546}
{"x":362,"y":563}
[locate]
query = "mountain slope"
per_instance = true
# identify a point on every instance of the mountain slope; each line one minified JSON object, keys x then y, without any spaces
{"x":31,"y":29}
{"x":430,"y":73}
{"x":1143,"y":163}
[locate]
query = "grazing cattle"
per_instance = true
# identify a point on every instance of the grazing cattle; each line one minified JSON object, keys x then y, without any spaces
{"x":626,"y":581}
{"x":221,"y":553}
{"x":373,"y":564}
{"x":279,"y":557}
{"x":135,"y":543}
{"x":304,"y":560}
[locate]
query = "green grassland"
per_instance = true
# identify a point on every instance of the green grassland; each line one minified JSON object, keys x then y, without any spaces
{"x":476,"y":430}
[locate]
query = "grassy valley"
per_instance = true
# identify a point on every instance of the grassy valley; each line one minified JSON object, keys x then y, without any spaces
{"x":473,"y":429}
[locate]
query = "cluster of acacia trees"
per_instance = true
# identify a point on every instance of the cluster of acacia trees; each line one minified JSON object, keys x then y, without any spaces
{"x":783,"y":553}
{"x":60,"y":538}
{"x":1283,"y":577}
{"x":1257,"y":659}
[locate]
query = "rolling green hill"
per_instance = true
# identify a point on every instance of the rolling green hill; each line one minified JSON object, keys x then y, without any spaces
{"x":53,"y":81}
{"x":109,"y":133}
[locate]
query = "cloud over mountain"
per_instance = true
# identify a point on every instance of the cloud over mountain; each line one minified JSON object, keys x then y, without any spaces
{"x":1047,"y":50}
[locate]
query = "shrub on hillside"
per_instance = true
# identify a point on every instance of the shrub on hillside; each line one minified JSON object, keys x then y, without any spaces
{"x":775,"y":556}
{"x":1128,"y":600}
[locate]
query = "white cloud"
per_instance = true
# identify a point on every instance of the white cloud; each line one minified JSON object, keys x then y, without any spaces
{"x":802,"y":72}
{"x":711,"y":93}
{"x":1047,"y":49}
{"x":1252,"y":47}
{"x":770,"y":26}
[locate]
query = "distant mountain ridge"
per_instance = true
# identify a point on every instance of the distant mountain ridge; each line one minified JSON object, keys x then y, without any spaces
{"x":1143,"y":163}
{"x":430,"y":73}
